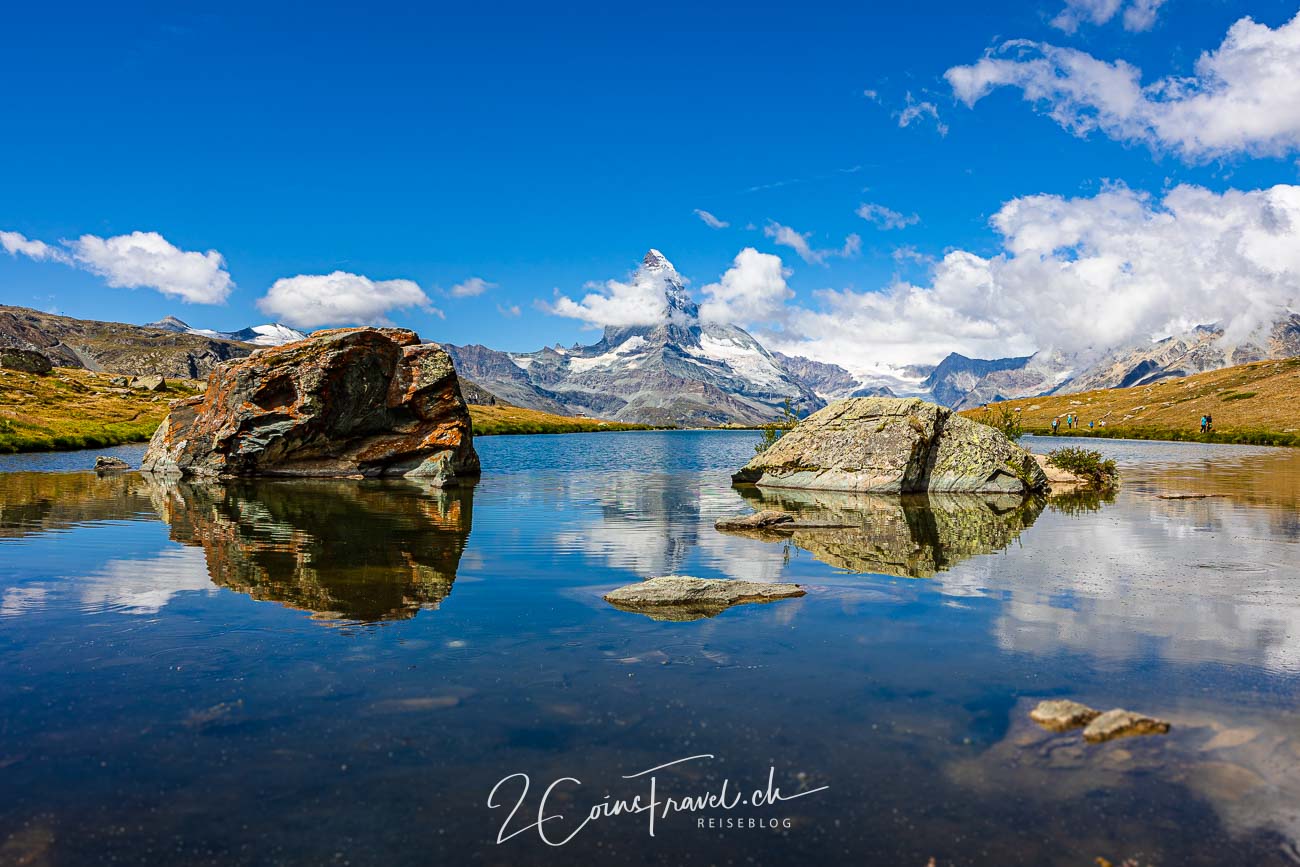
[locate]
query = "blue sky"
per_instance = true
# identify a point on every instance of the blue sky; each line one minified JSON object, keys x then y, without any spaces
{"x":541,"y":149}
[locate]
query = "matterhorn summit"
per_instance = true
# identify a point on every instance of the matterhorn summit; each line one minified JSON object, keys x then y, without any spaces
{"x":675,"y":370}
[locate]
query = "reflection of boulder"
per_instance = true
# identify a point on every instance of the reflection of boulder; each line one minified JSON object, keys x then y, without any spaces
{"x":362,"y":551}
{"x":910,"y":536}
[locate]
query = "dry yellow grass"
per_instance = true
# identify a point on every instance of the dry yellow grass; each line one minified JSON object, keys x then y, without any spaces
{"x":75,"y":409}
{"x":1257,"y":403}
{"x":504,"y":419}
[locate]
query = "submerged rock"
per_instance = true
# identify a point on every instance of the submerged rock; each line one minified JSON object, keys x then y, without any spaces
{"x":1060,"y":715}
{"x":682,"y":598}
{"x":346,"y":402}
{"x":1119,"y":723}
{"x":892,"y":445}
{"x":106,"y":464}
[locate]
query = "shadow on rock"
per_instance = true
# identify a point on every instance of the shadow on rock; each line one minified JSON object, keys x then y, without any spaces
{"x":911,"y":536}
{"x":366,"y":551}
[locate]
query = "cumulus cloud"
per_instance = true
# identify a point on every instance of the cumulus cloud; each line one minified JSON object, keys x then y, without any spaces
{"x":1244,"y":97}
{"x":470,"y":288}
{"x":916,"y":110}
{"x":885,"y":218}
{"x":16,"y":244}
{"x":753,"y":289}
{"x":1138,"y":14}
{"x":140,"y":260}
{"x":340,"y":298}
{"x":711,"y":221}
{"x":798,"y":241}
{"x":510,"y":311}
{"x":640,"y":300}
{"x":1077,"y":275}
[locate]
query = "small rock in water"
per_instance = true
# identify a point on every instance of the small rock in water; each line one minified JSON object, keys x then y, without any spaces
{"x":1119,"y":723}
{"x":756,"y":521}
{"x":106,"y":464}
{"x":683,"y":598}
{"x":1062,"y":714}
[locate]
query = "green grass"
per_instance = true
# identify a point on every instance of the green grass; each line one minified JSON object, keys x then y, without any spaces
{"x":1241,"y":395}
{"x":1239,"y":437}
{"x":1085,"y":463}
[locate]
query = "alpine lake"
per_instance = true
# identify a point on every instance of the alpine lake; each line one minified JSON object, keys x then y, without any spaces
{"x":382,"y":673}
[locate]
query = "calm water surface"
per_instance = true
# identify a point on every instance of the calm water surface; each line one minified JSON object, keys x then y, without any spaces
{"x":340,"y":672}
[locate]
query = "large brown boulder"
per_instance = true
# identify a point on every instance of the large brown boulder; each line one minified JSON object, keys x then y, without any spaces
{"x":894,"y":445}
{"x":351,"y":401}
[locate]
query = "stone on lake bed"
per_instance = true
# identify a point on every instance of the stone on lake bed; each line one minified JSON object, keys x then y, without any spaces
{"x":681,"y":598}
{"x":106,"y":464}
{"x":1061,"y":715}
{"x":1119,"y":723}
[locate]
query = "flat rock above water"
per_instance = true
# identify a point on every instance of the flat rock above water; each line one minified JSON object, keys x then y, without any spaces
{"x":681,"y":598}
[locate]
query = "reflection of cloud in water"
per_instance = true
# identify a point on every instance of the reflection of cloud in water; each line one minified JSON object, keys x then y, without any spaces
{"x":140,"y":586}
{"x":1210,"y":580}
{"x":653,"y":525}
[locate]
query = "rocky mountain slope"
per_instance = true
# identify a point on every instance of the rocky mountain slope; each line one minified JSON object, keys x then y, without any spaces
{"x":683,"y":372}
{"x":115,"y":346}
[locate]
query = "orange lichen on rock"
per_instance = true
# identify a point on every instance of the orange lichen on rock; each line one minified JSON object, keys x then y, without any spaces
{"x":343,"y":402}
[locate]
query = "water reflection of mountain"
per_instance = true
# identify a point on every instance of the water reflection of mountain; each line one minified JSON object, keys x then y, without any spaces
{"x":342,"y":549}
{"x":912,"y":536}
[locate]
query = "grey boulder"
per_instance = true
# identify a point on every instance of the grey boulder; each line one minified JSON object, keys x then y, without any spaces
{"x":894,"y":445}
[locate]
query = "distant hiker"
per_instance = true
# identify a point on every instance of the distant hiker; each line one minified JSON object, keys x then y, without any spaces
{"x":1056,"y":423}
{"x":1205,"y":420}
{"x":1089,"y":425}
{"x":1209,"y":423}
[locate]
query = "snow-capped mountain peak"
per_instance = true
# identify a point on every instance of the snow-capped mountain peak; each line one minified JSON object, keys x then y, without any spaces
{"x":270,"y":334}
{"x":656,"y":261}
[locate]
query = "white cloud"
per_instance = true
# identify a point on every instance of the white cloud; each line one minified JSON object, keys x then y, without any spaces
{"x":16,"y":244}
{"x":885,"y":218}
{"x":915,"y":111}
{"x":140,"y":260}
{"x":510,"y":312}
{"x":470,"y":288}
{"x":1243,"y":98}
{"x":753,"y":289}
{"x":1138,"y":14}
{"x":1075,"y":274}
{"x":148,"y":260}
{"x":711,"y":221}
{"x":340,"y":298}
{"x":641,"y":300}
{"x":798,"y":241}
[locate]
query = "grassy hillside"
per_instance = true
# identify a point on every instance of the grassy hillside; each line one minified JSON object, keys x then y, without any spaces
{"x":501,"y":419}
{"x":1251,"y":403}
{"x":78,"y":409}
